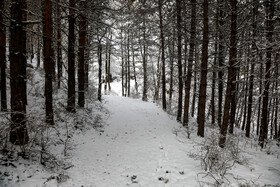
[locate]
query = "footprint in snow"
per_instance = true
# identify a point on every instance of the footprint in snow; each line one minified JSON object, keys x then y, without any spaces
{"x":163,"y":179}
{"x":133,"y":178}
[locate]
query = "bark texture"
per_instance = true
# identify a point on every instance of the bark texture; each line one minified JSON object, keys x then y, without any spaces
{"x":3,"y":59}
{"x":81,"y":65}
{"x":163,"y":81}
{"x":48,"y":58}
{"x":179,"y":40}
{"x":232,"y":61}
{"x":71,"y":57}
{"x":203,"y":81}
{"x":269,"y":6}
{"x":18,"y":133}
{"x":190,"y":63}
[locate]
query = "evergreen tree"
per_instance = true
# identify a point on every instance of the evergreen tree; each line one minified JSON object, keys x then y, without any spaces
{"x":48,"y":58}
{"x":18,"y":133}
{"x":203,"y":74}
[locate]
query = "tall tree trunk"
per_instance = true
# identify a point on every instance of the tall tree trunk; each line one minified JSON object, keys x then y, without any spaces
{"x":260,"y":98}
{"x":81,"y":65}
{"x":213,"y":111}
{"x":128,"y":65}
{"x":3,"y":59}
{"x":99,"y":70}
{"x":71,"y":57}
{"x":251,"y":82}
{"x":214,"y":73}
{"x":190,"y":63}
{"x":48,"y":58}
{"x":231,"y":69}
{"x":122,"y":53}
{"x":194,"y":81}
{"x":58,"y":44}
{"x":163,"y":82}
{"x":185,"y":48}
{"x":234,"y":96}
{"x":277,"y":61}
{"x":24,"y":39}
{"x":145,"y":81}
{"x":109,"y":66}
{"x":125,"y":71}
{"x":155,"y":80}
{"x":269,"y":6}
{"x":31,"y":48}
{"x":221,"y":59}
{"x":233,"y":101}
{"x":250,"y":100}
{"x":38,"y":47}
{"x":171,"y":57}
{"x":271,"y":110}
{"x":106,"y":67}
{"x":245,"y":99}
{"x":203,"y":80}
{"x":134,"y":71}
{"x":179,"y":35}
{"x":158,"y":78}
{"x":18,"y":133}
{"x":87,"y":56}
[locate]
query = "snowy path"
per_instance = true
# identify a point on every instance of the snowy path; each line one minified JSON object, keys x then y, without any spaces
{"x":137,"y":148}
{"x":140,"y":146}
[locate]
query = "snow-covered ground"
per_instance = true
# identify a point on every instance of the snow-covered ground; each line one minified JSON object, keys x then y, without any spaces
{"x":137,"y":148}
{"x":141,"y":145}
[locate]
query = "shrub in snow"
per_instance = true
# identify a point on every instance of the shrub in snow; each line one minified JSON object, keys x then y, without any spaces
{"x":216,"y":161}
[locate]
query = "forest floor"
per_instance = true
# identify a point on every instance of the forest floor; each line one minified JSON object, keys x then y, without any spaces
{"x":141,"y":145}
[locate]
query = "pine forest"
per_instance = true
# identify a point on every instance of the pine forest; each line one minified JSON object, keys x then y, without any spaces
{"x":152,"y":93}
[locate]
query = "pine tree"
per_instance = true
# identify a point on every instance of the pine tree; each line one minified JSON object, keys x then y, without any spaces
{"x":18,"y":133}
{"x":203,"y":81}
{"x":48,"y":58}
{"x":81,"y":66}
{"x":179,"y":48}
{"x":3,"y":59}
{"x":99,"y":53}
{"x":269,"y":7}
{"x":231,"y":68}
{"x":221,"y":59}
{"x":144,"y":56}
{"x":190,"y":63}
{"x":251,"y":82}
{"x":163,"y":82}
{"x":71,"y":57}
{"x":58,"y":44}
{"x":128,"y":64}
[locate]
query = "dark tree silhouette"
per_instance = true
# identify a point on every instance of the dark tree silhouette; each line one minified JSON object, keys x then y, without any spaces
{"x":81,"y":67}
{"x":180,"y":73}
{"x":190,"y":63}
{"x":48,"y":58}
{"x":269,"y":7}
{"x":203,"y":81}
{"x":3,"y":59}
{"x":71,"y":57}
{"x":231,"y":68}
{"x":18,"y":133}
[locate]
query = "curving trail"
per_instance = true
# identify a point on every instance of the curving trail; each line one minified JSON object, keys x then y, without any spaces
{"x":143,"y":146}
{"x":138,"y":148}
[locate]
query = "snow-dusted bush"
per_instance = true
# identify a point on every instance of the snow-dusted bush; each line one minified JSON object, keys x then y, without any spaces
{"x":216,"y":161}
